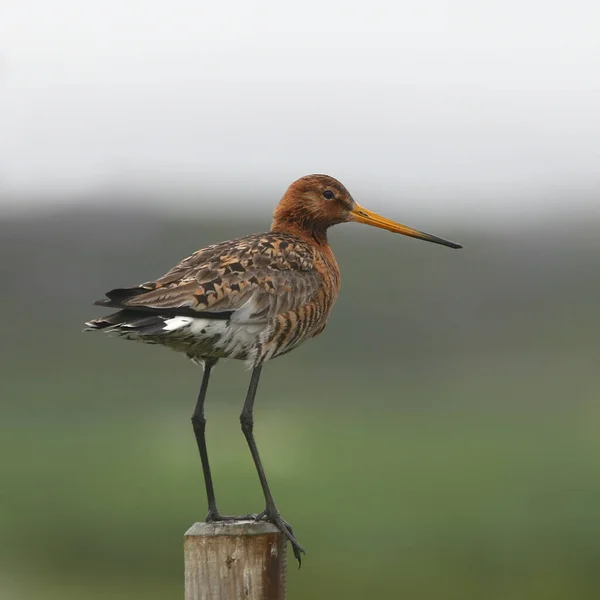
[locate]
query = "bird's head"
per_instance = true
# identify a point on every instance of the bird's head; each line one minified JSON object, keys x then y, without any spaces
{"x":315,"y":202}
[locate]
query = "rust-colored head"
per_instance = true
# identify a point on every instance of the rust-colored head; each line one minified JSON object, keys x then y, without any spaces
{"x":315,"y":202}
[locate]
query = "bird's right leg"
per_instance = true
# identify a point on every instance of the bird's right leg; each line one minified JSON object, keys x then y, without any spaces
{"x":199,"y":424}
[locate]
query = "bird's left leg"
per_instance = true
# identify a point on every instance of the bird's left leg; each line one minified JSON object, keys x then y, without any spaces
{"x":271,"y":513}
{"x":199,"y":425}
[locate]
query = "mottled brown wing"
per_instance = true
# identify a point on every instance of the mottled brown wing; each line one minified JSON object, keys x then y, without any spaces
{"x":258,"y":276}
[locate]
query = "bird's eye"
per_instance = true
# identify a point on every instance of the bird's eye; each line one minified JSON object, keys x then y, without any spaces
{"x":328,"y":195}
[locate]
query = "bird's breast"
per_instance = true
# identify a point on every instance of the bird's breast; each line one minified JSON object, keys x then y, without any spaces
{"x":292,"y":327}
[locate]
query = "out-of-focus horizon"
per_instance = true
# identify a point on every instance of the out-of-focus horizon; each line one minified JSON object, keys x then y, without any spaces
{"x":457,"y":108}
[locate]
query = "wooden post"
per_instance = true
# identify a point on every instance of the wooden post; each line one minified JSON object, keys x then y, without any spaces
{"x":235,"y":560}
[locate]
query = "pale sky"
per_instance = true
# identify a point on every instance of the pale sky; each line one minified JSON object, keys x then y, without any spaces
{"x":489,"y":104}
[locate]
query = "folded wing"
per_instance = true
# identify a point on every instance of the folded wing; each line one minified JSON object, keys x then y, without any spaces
{"x":251,"y":279}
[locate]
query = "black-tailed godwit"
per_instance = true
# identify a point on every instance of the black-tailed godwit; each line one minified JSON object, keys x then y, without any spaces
{"x":252,"y":299}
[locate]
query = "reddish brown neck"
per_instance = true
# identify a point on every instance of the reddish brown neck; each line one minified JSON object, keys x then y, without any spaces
{"x":304,"y":228}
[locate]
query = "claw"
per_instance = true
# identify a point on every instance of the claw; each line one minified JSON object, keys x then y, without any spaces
{"x":261,"y":516}
{"x":286,"y":529}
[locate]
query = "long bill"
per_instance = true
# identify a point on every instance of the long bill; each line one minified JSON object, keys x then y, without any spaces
{"x":362,"y":215}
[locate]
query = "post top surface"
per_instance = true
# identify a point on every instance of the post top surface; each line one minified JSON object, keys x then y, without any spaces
{"x":242,"y":527}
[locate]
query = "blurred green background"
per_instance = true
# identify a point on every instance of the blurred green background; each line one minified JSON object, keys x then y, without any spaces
{"x":439,"y":440}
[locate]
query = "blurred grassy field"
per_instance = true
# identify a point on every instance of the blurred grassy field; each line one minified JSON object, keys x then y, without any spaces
{"x":444,"y":445}
{"x":428,"y":506}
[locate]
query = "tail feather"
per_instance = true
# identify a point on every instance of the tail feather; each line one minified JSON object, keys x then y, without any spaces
{"x":129,"y":321}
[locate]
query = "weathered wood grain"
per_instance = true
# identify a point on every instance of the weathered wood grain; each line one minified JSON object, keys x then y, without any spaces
{"x":236,"y":560}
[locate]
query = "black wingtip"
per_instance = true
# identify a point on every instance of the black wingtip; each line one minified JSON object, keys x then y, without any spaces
{"x":119,"y":294}
{"x":102,"y":302}
{"x":115,"y":298}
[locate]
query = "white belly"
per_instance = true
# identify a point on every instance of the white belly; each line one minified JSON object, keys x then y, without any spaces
{"x":212,"y":337}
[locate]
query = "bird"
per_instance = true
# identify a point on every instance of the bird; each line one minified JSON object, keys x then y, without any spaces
{"x":251,"y":299}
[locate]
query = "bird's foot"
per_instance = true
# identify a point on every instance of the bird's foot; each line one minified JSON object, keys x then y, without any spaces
{"x":214,"y":516}
{"x":274,"y":517}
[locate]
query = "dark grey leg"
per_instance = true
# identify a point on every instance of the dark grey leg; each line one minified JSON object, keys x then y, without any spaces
{"x":271,"y":512}
{"x":199,"y":424}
